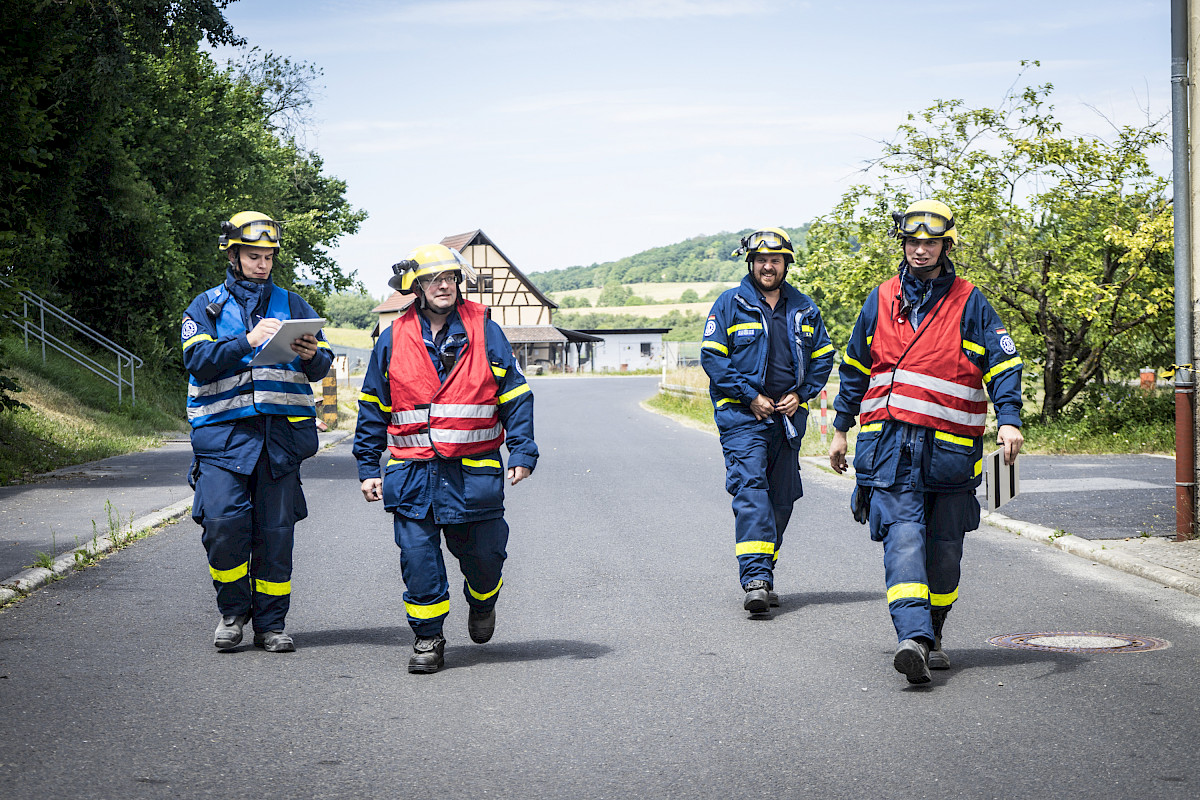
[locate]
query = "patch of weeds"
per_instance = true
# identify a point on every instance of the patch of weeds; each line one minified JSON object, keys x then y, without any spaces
{"x":46,"y":560}
{"x":1058,"y":534}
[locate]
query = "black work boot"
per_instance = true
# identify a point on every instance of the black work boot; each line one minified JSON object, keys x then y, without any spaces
{"x":758,"y":597}
{"x":481,"y":625}
{"x":427,"y":654}
{"x":229,"y":631}
{"x":938,"y":659}
{"x":274,"y":641}
{"x":772,"y":598}
{"x":912,"y":660}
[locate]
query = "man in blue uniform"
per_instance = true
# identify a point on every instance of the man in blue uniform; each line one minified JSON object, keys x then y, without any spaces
{"x":924,"y":348}
{"x":442,"y":391}
{"x":251,"y":428}
{"x":767,"y":354}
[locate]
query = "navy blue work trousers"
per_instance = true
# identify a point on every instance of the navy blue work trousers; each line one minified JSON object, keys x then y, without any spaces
{"x":922,"y":534}
{"x":762,"y":473}
{"x":249,"y":529}
{"x":480,"y":550}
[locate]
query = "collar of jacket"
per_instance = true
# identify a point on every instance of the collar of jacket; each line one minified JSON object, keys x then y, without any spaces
{"x":789,"y":294}
{"x":919,"y":293}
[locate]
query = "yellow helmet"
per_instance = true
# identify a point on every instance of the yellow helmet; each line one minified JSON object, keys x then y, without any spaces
{"x":250,"y":228}
{"x":767,"y":240}
{"x":425,"y":262}
{"x":926,"y":219}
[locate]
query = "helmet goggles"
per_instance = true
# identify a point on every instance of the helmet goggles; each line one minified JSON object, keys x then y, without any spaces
{"x":258,"y":230}
{"x":770,"y":241}
{"x":911,"y":224}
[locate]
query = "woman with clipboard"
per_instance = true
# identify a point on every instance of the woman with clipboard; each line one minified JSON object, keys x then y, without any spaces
{"x":252,"y":426}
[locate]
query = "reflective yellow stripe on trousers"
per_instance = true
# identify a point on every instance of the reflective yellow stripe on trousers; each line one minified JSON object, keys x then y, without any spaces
{"x":904,"y":591}
{"x":427,"y":612}
{"x":230,"y":575}
{"x":272,"y":587}
{"x":479,"y":596}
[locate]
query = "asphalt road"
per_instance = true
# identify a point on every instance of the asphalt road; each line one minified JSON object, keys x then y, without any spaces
{"x":623,"y":665}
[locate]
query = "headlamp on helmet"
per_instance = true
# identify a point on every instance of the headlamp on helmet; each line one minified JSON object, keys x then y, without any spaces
{"x":250,"y":228}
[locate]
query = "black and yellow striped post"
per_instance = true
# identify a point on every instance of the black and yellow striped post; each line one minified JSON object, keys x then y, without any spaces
{"x":329,"y":411}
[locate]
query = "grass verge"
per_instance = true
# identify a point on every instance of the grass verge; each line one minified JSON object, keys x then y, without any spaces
{"x":73,"y":416}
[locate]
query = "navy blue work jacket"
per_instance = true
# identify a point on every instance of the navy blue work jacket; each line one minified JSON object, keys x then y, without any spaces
{"x":941,"y":463}
{"x":237,"y":444}
{"x":454,"y":490}
{"x":735,"y":348}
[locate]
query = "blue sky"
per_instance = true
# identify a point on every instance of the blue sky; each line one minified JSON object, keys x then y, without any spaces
{"x":582,"y":131}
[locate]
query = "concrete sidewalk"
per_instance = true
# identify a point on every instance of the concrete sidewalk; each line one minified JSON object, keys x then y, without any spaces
{"x":90,"y":508}
{"x":1109,"y":534}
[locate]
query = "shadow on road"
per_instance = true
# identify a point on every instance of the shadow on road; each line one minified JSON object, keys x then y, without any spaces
{"x":535,"y":650}
{"x":798,"y":601}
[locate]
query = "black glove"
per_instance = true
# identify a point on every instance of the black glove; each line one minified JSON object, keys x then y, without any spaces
{"x":860,"y":503}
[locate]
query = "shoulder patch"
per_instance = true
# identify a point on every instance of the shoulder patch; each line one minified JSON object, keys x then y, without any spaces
{"x":1007,"y":345}
{"x":710,"y":327}
{"x":189,"y":329}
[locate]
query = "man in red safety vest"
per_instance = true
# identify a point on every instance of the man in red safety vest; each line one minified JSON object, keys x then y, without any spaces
{"x":926,"y":352}
{"x":441,"y":393}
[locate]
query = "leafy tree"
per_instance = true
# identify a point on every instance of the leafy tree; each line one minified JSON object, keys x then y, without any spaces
{"x":614,"y":294}
{"x":689,"y":296}
{"x":351,"y":310}
{"x":126,"y":146}
{"x":1069,"y":236}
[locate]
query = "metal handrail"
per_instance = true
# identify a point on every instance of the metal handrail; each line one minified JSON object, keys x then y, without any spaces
{"x":37,"y":329}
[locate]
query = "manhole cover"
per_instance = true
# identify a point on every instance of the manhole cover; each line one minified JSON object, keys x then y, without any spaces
{"x":1079,"y":642}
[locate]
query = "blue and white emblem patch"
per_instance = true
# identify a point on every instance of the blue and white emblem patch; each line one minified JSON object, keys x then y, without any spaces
{"x":189,"y":328}
{"x":1007,"y":345}
{"x":710,"y":327}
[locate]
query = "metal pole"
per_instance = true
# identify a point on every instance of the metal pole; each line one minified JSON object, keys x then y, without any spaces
{"x":1185,"y":388}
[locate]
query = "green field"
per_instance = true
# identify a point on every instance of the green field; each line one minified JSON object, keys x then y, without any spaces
{"x":655,"y":291}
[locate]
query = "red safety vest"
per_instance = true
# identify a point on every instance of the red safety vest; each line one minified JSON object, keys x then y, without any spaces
{"x":923,"y":376}
{"x":431,"y":419}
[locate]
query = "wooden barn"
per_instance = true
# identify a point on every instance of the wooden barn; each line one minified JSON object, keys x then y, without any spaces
{"x":517,"y":305}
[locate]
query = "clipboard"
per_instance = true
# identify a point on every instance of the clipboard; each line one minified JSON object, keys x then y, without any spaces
{"x":278,"y":349}
{"x":1003,"y":481}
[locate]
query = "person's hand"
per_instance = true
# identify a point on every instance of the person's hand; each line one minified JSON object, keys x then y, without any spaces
{"x":305,"y":347}
{"x":265,"y":329}
{"x":372,"y":489}
{"x":762,"y":407}
{"x":1010,"y":438}
{"x":518,"y":474}
{"x":788,"y":404}
{"x":837,"y":451}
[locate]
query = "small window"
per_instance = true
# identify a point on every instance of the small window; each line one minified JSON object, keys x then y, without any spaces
{"x":646,"y":349}
{"x":487,"y":282}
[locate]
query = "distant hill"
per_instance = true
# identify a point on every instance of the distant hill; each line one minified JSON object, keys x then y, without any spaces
{"x":702,"y":258}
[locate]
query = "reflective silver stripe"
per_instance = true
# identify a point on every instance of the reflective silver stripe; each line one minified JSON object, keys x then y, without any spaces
{"x":882,"y":379}
{"x":443,"y":436}
{"x":941,"y":386}
{"x":219,"y":387}
{"x":415,"y":440}
{"x":872,"y":404}
{"x":238,"y":401}
{"x":935,"y":410}
{"x":275,"y":374}
{"x":462,"y":410}
{"x":409,"y":417}
{"x":284,"y":399}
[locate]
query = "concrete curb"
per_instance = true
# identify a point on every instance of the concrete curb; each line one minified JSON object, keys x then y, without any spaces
{"x":34,"y":578}
{"x":1097,"y":551}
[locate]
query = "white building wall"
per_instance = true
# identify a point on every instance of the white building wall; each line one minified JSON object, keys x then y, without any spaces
{"x":620,"y":352}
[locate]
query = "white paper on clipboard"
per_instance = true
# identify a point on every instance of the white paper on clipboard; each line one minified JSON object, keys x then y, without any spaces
{"x":278,"y":349}
{"x":1003,"y":481}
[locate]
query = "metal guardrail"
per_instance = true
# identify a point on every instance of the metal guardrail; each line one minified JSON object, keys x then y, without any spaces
{"x":675,"y":388}
{"x":32,"y":322}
